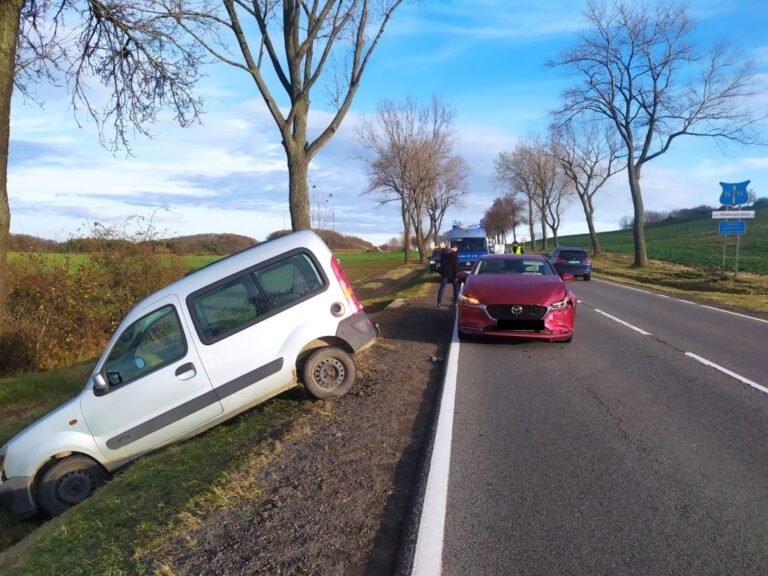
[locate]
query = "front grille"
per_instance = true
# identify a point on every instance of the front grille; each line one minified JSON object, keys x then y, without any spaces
{"x":521,"y":325}
{"x":504,"y":312}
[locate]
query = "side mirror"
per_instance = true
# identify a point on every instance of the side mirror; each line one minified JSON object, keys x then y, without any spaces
{"x":99,"y":383}
{"x":567,"y":277}
{"x":462,"y":276}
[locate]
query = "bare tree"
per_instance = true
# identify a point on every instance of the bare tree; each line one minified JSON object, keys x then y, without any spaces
{"x":289,"y":52}
{"x":450,"y":191}
{"x":639,"y":70}
{"x":410,"y":161}
{"x":531,"y":169}
{"x":145,"y":62}
{"x":504,"y":215}
{"x":512,"y":172}
{"x":552,"y":190}
{"x":588,"y":153}
{"x":10,"y":13}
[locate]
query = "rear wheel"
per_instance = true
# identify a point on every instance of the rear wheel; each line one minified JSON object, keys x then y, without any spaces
{"x":69,"y":482}
{"x":329,"y":373}
{"x":587,"y":277}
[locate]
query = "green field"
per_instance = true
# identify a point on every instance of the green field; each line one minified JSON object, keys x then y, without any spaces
{"x":692,"y":241}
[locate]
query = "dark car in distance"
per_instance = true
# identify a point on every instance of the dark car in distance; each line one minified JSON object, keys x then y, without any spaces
{"x":571,"y":260}
{"x":434,"y":260}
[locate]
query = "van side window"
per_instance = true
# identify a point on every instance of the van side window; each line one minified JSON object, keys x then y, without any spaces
{"x":289,"y":280}
{"x":229,"y":307}
{"x":146,"y":345}
{"x":234,"y":304}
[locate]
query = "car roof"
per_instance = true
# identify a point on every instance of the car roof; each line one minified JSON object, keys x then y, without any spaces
{"x":571,"y":248}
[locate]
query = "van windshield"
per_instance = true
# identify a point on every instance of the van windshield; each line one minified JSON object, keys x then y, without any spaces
{"x":469,"y":244}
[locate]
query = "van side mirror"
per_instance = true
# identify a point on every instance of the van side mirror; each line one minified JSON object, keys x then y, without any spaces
{"x":99,"y":383}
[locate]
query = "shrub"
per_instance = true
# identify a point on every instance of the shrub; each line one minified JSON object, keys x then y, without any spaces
{"x":59,"y":314}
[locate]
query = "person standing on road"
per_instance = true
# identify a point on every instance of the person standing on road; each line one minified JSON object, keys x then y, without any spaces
{"x":517,"y":248}
{"x":449,"y":264}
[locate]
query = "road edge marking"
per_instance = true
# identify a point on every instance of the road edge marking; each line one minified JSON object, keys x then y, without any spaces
{"x":730,"y":373}
{"x":627,"y":324}
{"x":428,"y":558}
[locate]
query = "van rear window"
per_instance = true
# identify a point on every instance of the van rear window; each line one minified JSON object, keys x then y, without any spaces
{"x":241,"y":301}
{"x":289,"y":280}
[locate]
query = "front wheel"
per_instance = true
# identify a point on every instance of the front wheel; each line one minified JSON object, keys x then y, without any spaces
{"x":69,"y":482}
{"x":329,"y":373}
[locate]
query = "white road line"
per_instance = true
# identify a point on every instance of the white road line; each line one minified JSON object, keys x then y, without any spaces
{"x":627,"y":324}
{"x":428,"y":558}
{"x":734,"y":313}
{"x":625,"y":286}
{"x":685,"y":301}
{"x":728,"y":372}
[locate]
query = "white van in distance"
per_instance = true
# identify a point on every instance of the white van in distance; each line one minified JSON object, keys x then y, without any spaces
{"x":197,"y":352}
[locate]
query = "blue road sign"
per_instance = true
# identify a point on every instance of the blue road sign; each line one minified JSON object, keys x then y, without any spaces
{"x":734,"y":194}
{"x":733,"y":227}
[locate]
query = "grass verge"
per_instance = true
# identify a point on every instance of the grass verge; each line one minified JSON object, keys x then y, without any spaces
{"x":747,"y":293}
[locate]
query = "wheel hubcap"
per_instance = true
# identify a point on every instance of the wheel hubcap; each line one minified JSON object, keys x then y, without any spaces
{"x":330,"y":373}
{"x":74,"y":487}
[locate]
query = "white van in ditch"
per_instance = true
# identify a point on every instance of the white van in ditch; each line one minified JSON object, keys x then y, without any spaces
{"x":197,"y":352}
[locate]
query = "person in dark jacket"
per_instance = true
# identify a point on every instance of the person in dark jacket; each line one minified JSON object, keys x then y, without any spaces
{"x":449,"y":264}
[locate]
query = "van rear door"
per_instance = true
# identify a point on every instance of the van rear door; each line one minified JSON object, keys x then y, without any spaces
{"x":158,"y":388}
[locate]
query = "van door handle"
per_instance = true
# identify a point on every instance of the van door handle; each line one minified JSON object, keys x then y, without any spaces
{"x":186,"y":371}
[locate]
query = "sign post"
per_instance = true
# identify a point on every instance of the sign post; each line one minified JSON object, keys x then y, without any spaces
{"x":733,"y":195}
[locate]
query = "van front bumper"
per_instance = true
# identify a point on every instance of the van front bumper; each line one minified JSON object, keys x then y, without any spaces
{"x":16,"y":496}
{"x":358,"y":331}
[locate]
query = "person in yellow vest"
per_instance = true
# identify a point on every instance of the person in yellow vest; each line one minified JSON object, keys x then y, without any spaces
{"x":517,"y":248}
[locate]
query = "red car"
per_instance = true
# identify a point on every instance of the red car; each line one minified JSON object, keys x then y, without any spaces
{"x":518,"y":295}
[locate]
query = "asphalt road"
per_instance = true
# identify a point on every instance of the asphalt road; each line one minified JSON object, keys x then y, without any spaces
{"x":615,"y":454}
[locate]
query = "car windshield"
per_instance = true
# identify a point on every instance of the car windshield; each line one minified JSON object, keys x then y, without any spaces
{"x":506,"y":266}
{"x":469,"y":244}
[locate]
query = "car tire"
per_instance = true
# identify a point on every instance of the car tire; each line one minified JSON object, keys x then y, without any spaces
{"x":68,"y":482}
{"x":587,"y":277}
{"x":329,"y":373}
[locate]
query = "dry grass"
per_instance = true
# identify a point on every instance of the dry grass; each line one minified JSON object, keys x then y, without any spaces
{"x":749,"y":292}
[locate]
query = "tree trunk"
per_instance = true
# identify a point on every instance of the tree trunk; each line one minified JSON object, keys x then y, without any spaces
{"x":544,"y":246}
{"x":298,"y":190}
{"x":638,"y":228}
{"x":10,"y":12}
{"x":589,"y":212}
{"x":531,"y":223}
{"x":406,"y":233}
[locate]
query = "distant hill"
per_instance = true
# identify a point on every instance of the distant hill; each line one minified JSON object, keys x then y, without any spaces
{"x":208,"y":243}
{"x":334,"y":240}
{"x":202,"y":244}
{"x":693,"y":240}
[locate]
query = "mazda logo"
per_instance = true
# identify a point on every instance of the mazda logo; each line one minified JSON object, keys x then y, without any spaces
{"x":516,"y":310}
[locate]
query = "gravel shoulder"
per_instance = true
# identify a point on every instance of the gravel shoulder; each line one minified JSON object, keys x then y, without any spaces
{"x":335,"y":499}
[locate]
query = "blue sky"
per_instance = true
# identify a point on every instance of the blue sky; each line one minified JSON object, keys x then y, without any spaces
{"x":485,"y":58}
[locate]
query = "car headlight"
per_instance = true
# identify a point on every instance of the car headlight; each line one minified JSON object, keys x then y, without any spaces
{"x":467,"y":299}
{"x":560,"y":304}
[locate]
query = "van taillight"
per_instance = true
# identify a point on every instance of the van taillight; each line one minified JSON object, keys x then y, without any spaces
{"x":586,"y":261}
{"x":560,"y":261}
{"x":345,"y":286}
